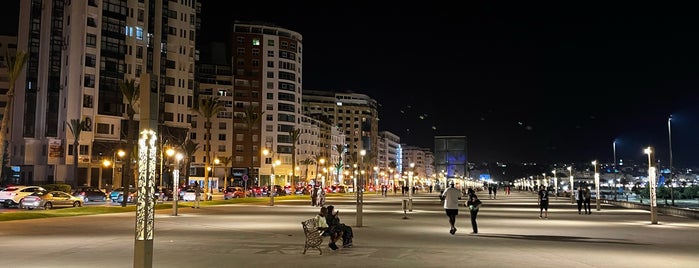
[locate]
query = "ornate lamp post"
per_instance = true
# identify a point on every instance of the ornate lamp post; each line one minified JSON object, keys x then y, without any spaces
{"x":175,"y":180}
{"x":651,"y":181}
{"x":597,"y":186}
{"x":572,"y":185}
{"x":360,"y":192}
{"x":672,"y":171}
{"x":555,"y":184}
{"x":410,"y":185}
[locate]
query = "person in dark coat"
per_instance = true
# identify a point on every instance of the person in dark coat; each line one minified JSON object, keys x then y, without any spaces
{"x":474,"y":205}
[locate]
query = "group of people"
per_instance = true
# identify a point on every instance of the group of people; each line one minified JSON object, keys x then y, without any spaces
{"x":583,"y":196}
{"x":451,"y":197}
{"x":329,"y":223}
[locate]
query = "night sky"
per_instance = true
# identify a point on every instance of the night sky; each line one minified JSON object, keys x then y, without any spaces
{"x":553,"y":82}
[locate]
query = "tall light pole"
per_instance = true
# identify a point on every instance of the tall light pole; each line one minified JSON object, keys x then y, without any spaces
{"x":410,"y":185}
{"x":360,"y":192}
{"x":651,"y":181}
{"x":572,"y":185}
{"x":597,"y":199}
{"x":672,"y":171}
{"x":175,"y":180}
{"x":614,"y":169}
{"x":271,"y":189}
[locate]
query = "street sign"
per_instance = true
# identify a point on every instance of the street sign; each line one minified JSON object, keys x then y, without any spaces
{"x":245,"y":177}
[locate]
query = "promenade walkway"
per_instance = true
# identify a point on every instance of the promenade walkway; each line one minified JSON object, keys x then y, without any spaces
{"x":257,"y":235}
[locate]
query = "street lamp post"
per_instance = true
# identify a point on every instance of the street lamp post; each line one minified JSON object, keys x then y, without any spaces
{"x":410,"y":184}
{"x":651,"y":181}
{"x":175,"y":180}
{"x":360,"y":192}
{"x":572,"y":185}
{"x":672,"y":171}
{"x":597,"y":199}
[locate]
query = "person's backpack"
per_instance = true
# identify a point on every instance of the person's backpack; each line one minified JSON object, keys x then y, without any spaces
{"x":588,"y":195}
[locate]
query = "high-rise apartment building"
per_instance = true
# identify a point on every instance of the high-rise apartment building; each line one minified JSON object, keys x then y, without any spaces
{"x":79,"y":51}
{"x":267,"y":70}
{"x":355,"y":114}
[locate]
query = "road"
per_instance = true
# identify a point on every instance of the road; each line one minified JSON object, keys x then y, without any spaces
{"x":256,"y":235}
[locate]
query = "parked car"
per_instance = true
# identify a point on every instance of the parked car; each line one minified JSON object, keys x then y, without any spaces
{"x":90,"y":194}
{"x":50,"y":199}
{"x":188,"y":195}
{"x":13,"y":195}
{"x":114,"y":195}
{"x":233,"y":192}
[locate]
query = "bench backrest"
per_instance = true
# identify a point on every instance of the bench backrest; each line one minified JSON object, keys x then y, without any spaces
{"x":310,"y":226}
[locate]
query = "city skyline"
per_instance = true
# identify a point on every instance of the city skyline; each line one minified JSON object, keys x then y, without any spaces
{"x":534,"y":83}
{"x":523,"y":83}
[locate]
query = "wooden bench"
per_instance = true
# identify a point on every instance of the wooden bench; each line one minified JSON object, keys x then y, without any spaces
{"x":314,"y":237}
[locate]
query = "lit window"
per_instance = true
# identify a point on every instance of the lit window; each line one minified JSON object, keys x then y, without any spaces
{"x":139,"y":33}
{"x":255,"y":42}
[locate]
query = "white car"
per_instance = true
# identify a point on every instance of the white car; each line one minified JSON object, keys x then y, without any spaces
{"x":13,"y":195}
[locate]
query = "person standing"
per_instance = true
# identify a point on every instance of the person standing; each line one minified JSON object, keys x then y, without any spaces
{"x":586,"y":203}
{"x":543,"y":202}
{"x":474,"y":204}
{"x":314,"y":195}
{"x":197,"y":194}
{"x":580,"y":198}
{"x":451,"y":205}
{"x":320,"y":196}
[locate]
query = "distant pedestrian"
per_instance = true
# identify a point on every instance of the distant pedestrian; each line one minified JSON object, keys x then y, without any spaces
{"x":580,"y":198}
{"x":495,"y":192}
{"x":197,"y":194}
{"x":490,"y":192}
{"x":451,"y":205}
{"x":586,"y":202}
{"x":314,"y":196}
{"x":543,"y":202}
{"x":320,"y":196}
{"x":474,"y":204}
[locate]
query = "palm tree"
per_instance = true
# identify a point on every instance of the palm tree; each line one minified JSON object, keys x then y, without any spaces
{"x":226,"y":161}
{"x":308,"y":161}
{"x":340,"y":163}
{"x":76,"y":127}
{"x":208,"y":108}
{"x":251,"y":119}
{"x":190,"y":148}
{"x":295,"y":134}
{"x":131,"y":93}
{"x":15,"y":66}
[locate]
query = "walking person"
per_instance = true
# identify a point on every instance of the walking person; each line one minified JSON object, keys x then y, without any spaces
{"x":495,"y":192}
{"x":474,"y":204}
{"x":490,"y":192}
{"x":197,"y":194}
{"x":586,"y":203}
{"x":580,"y":198}
{"x":451,"y":205}
{"x":543,"y":202}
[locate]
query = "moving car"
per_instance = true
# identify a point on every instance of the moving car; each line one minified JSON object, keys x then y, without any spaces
{"x":13,"y":195}
{"x":50,"y":199}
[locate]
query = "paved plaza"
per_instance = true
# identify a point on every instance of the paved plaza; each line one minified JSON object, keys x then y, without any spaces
{"x":258,"y":235}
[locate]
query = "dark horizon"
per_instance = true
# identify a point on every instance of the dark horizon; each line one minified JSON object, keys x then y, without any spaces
{"x":524,"y":82}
